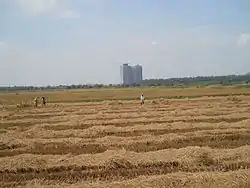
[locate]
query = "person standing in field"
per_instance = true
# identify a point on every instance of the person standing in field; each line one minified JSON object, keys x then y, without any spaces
{"x":43,"y":101}
{"x":142,"y":99}
{"x":36,"y":102}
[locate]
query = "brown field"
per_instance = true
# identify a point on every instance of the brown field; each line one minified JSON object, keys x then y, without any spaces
{"x":81,"y":95}
{"x":189,"y":142}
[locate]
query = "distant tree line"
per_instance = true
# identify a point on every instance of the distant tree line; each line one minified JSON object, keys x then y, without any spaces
{"x":170,"y":82}
{"x":199,"y":80}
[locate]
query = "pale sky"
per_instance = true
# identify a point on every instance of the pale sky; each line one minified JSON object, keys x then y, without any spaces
{"x":85,"y":41}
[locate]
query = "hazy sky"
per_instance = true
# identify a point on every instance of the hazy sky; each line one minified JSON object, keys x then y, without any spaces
{"x":85,"y":41}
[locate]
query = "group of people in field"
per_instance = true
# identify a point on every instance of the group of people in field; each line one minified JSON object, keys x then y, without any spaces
{"x":43,"y":101}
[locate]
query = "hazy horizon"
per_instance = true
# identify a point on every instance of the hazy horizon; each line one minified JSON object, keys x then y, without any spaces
{"x":57,"y":42}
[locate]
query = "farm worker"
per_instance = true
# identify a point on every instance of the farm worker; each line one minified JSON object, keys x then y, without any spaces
{"x":35,"y":102}
{"x":43,"y":101}
{"x":142,"y":99}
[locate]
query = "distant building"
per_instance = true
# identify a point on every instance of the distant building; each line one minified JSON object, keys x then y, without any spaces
{"x":131,"y":74}
{"x":137,"y":74}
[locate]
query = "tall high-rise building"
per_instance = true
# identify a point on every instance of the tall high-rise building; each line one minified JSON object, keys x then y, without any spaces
{"x":137,"y":74}
{"x":131,"y":74}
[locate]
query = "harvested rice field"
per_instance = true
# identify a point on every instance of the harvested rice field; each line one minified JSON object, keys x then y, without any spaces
{"x":190,"y":142}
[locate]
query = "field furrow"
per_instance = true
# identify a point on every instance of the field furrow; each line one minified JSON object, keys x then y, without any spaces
{"x":231,"y":179}
{"x":231,"y":139}
{"x":111,"y":172}
{"x":124,"y":165}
